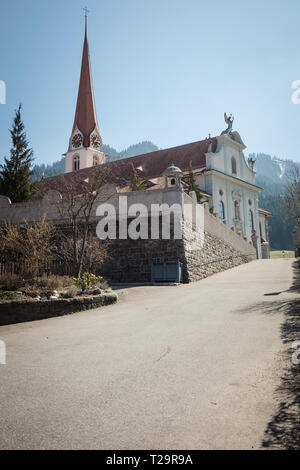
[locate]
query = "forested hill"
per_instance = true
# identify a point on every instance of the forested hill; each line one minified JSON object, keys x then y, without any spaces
{"x":270,"y":175}
{"x":112,"y":154}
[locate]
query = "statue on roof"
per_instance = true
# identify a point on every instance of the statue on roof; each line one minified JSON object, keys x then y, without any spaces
{"x":234,"y":135}
{"x":251,"y":161}
{"x":229,"y":121}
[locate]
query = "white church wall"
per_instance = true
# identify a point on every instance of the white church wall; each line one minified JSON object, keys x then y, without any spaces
{"x":86,"y":156}
{"x":222,"y":160}
{"x":231,"y":192}
{"x":262,"y":220}
{"x":233,"y":186}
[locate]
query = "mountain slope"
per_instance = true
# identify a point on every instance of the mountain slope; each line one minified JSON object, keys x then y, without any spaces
{"x":111,"y":153}
{"x":271,"y":174}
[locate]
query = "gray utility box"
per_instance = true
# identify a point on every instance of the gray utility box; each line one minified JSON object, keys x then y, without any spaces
{"x":166,"y":272}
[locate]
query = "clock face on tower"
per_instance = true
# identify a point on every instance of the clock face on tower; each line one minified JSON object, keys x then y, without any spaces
{"x":95,"y":141}
{"x":77,"y":141}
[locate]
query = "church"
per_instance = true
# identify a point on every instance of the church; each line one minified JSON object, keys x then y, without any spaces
{"x":235,"y":227}
{"x":226,"y":180}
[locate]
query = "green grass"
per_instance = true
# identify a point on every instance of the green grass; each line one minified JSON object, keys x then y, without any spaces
{"x":282,"y":254}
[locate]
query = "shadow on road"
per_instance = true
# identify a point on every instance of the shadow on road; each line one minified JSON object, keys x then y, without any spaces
{"x":283,"y":431}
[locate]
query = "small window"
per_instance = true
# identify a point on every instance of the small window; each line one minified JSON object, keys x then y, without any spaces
{"x":95,"y":160}
{"x":251,"y":221}
{"x":233,"y":166}
{"x":76,"y":163}
{"x":222,"y":211}
{"x":236,"y":210}
{"x":173,"y":181}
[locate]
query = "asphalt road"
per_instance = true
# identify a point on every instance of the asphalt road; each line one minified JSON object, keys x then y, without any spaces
{"x":189,"y":367}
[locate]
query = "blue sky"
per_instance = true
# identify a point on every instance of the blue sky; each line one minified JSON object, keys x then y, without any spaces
{"x":163,"y":70}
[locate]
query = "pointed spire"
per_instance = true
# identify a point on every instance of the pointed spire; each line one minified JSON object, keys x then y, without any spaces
{"x":85,"y":116}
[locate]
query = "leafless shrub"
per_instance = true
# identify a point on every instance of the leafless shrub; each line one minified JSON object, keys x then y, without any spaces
{"x":28,"y":244}
{"x":75,"y":206}
{"x":11,"y":282}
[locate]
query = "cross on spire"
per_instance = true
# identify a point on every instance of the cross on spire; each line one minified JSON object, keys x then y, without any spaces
{"x":86,"y":11}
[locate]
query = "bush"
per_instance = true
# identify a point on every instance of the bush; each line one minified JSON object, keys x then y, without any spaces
{"x":51,"y":282}
{"x":28,"y":243}
{"x":6,"y":295}
{"x":103,"y":284}
{"x":30,"y":291}
{"x":69,"y":293}
{"x":87,"y":281}
{"x":11,"y":282}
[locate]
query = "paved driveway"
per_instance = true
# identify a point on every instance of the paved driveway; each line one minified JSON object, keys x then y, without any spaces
{"x":193,"y":366}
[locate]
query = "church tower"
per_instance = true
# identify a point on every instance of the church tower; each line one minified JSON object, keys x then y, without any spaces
{"x":85,"y":145}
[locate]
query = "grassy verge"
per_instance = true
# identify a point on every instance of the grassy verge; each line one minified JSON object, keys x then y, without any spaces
{"x":282,"y":254}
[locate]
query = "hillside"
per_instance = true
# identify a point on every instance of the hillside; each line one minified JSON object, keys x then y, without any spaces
{"x":270,"y":175}
{"x":112,"y":154}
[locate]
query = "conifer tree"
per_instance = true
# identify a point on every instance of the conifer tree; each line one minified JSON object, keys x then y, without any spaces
{"x":16,"y":173}
{"x":192,"y":185}
{"x":136,"y":183}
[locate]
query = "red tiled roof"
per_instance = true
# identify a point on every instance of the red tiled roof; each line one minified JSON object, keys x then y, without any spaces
{"x":151,"y":164}
{"x":155,"y":163}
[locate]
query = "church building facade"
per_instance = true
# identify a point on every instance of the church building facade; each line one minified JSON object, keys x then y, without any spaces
{"x":225,"y":178}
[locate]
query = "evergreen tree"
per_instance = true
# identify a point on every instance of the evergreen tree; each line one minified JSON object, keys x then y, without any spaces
{"x":192,"y":185}
{"x":16,"y":174}
{"x":136,"y":183}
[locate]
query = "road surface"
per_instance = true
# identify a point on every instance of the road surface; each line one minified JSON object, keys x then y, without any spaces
{"x":189,"y":367}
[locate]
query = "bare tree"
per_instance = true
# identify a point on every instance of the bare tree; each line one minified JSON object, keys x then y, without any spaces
{"x":75,"y":207}
{"x":96,"y":251}
{"x":292,"y":194}
{"x":29,"y":244}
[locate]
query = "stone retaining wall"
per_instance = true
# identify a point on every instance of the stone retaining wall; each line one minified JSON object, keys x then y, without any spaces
{"x":18,"y":311}
{"x":214,"y":257}
{"x":218,"y":249}
{"x":131,"y":260}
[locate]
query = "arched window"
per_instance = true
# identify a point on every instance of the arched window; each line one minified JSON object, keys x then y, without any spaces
{"x":76,"y":163}
{"x":251,"y":221}
{"x":95,"y":160}
{"x":236,"y":210}
{"x":233,"y":166}
{"x":173,"y":181}
{"x":222,"y":211}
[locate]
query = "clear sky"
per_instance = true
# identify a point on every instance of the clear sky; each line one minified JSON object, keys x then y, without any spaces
{"x":163,"y":70}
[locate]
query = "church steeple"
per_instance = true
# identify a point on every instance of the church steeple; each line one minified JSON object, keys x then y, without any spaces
{"x":85,"y":132}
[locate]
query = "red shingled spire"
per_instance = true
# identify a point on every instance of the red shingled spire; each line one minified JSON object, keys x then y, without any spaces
{"x":85,"y":115}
